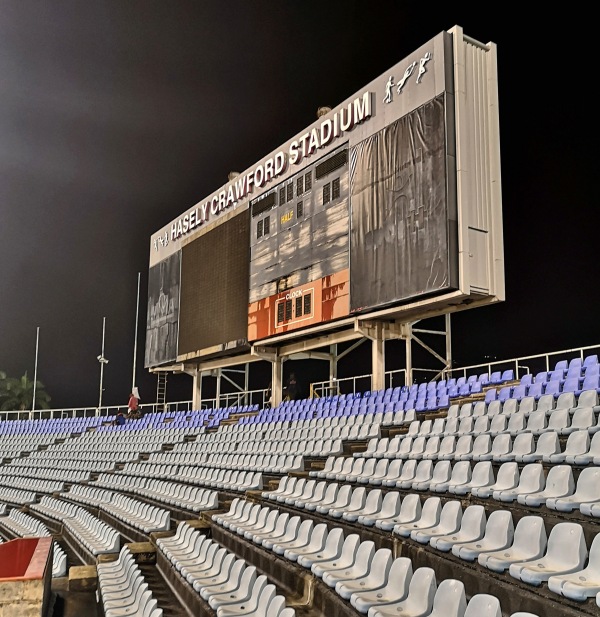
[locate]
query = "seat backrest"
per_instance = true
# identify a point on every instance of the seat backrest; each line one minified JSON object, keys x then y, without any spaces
{"x":528,"y":404}
{"x":421,"y":592}
{"x":588,"y":483}
{"x":559,"y":419}
{"x":560,"y":480}
{"x":483,"y":605}
{"x":530,"y":536}
{"x":450,"y":599}
{"x":482,"y":474}
{"x":546,"y":402}
{"x":441,"y":471}
{"x":566,"y":546}
{"x":500,"y":527}
{"x":461,"y":472}
{"x":588,"y":398}
{"x":508,"y":474}
{"x":566,"y":400}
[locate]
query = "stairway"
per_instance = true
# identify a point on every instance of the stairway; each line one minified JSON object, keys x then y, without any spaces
{"x":164,"y":595}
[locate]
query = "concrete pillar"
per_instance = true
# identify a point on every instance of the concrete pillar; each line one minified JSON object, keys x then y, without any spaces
{"x":276,"y":381}
{"x":197,"y":390}
{"x":333,"y":368}
{"x":378,"y":359}
{"x":409,"y":371}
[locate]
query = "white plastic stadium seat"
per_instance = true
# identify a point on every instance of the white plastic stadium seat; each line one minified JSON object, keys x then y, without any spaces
{"x":566,"y":552}
{"x":483,"y":605}
{"x":582,"y":584}
{"x":449,"y":522}
{"x":472,"y":527}
{"x":418,"y":602}
{"x":360,"y":566}
{"x":529,"y":542}
{"x":375,"y":578}
{"x":559,"y":483}
{"x":498,"y":535}
{"x":449,"y":600}
{"x":394,"y":590}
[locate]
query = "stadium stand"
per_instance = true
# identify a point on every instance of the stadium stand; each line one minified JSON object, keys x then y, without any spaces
{"x":349,"y":504}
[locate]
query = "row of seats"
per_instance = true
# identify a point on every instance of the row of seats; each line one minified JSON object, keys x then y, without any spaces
{"x":527,"y":405}
{"x":537,"y":422}
{"x":551,"y":388}
{"x":138,"y":514}
{"x":371,"y":580}
{"x":579,"y":449}
{"x":227,"y":583}
{"x":186,"y":496}
{"x":31,"y":484}
{"x":525,"y":551}
{"x":222,"y":479}
{"x":16,"y":496}
{"x":529,"y":486}
{"x":123,"y":590}
{"x":269,"y":463}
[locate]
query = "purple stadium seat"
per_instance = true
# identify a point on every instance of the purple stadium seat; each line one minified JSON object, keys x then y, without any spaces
{"x":536,"y":389}
{"x":519,"y":392}
{"x":571,"y":385}
{"x":505,"y":393}
{"x":590,"y":382}
{"x":491,"y":395}
{"x":496,"y":377}
{"x":561,"y":365}
{"x":553,"y":387}
{"x":527,"y":380}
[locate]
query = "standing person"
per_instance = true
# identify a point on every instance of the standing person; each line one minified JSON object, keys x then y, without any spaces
{"x":132,"y":405}
{"x":292,"y":391}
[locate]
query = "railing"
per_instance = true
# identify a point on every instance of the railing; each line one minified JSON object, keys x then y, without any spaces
{"x":90,"y":412}
{"x":525,"y":364}
{"x":238,"y":399}
{"x":347,"y":385}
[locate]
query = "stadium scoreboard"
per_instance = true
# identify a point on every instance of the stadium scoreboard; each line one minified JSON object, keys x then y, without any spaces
{"x":387,"y":207}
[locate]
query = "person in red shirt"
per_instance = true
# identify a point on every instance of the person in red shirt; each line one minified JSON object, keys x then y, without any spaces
{"x":132,"y":406}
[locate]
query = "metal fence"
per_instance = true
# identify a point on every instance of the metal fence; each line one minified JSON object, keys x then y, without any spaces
{"x":347,"y":385}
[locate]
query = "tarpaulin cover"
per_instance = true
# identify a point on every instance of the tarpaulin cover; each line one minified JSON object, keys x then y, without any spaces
{"x":399,"y":244}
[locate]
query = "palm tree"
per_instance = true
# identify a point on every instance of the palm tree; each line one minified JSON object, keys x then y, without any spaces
{"x":17,"y":394}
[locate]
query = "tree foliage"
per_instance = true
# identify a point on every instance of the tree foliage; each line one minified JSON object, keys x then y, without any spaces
{"x":16,"y":393}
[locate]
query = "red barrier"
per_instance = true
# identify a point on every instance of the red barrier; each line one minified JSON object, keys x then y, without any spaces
{"x":24,"y":558}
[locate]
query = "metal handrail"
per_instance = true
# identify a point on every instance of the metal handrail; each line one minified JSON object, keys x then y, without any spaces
{"x":344,"y":385}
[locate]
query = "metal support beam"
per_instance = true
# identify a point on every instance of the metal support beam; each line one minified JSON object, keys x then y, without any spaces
{"x":333,"y":358}
{"x":443,"y":357}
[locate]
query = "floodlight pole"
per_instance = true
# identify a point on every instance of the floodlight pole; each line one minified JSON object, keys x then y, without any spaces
{"x":137,"y":312}
{"x":37,"y":343}
{"x":102,"y":361}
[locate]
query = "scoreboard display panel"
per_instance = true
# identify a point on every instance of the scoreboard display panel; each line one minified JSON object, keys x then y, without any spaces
{"x":299,"y":250}
{"x":214,"y":291}
{"x":386,"y":205}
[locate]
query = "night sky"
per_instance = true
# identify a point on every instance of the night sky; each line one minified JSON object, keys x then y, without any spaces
{"x":117,"y":116}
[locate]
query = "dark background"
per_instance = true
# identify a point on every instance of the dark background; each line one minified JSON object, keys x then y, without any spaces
{"x":118,"y":115}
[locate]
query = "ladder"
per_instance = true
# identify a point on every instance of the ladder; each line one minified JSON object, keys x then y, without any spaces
{"x":161,"y":391}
